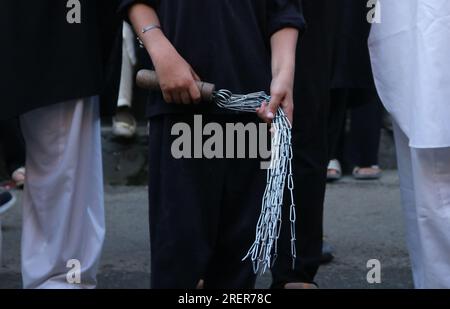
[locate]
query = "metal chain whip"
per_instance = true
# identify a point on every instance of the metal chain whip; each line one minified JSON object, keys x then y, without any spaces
{"x":264,"y":250}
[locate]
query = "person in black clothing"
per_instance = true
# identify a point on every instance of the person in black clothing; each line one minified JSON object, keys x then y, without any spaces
{"x":203,"y":213}
{"x":359,"y":147}
{"x":312,"y":100}
{"x":353,"y":88}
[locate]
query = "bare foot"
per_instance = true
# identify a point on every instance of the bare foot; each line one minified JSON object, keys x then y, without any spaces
{"x":19,"y":177}
{"x":334,"y":170}
{"x":200,"y":285}
{"x":369,"y":170}
{"x":372,"y":172}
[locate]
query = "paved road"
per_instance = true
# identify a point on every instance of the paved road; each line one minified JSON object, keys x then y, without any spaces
{"x":363,"y":221}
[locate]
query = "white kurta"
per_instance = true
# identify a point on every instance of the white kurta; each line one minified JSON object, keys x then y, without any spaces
{"x":410,"y":51}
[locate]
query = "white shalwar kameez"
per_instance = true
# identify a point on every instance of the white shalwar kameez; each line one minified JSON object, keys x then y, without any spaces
{"x":410,"y":51}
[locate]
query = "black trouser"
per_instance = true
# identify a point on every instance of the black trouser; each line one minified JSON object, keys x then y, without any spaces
{"x":366,"y":114}
{"x":12,"y":144}
{"x":203,"y":213}
{"x":366,"y":119}
{"x":336,"y":122}
{"x":312,"y":98}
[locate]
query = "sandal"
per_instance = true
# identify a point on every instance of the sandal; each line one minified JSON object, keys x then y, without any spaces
{"x":124,"y":123}
{"x":367,"y":173}
{"x":334,"y":170}
{"x":18,"y":177}
{"x":300,"y":286}
{"x":294,"y":286}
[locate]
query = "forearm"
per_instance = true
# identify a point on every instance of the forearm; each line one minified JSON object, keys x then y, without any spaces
{"x":176,"y":77}
{"x":142,"y":15}
{"x":284,"y":45}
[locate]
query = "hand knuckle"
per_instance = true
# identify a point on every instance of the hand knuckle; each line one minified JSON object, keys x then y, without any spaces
{"x":197,"y":96}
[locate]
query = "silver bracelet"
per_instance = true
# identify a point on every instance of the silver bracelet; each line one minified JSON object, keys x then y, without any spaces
{"x":145,"y":30}
{"x":150,"y":27}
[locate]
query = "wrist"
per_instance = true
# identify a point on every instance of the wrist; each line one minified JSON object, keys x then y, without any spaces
{"x":285,"y":77}
{"x":287,"y":69}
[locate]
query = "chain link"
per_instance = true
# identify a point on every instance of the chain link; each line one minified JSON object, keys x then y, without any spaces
{"x":264,"y":251}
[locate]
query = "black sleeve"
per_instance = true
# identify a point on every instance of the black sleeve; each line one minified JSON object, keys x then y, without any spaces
{"x":126,"y":4}
{"x":285,"y":13}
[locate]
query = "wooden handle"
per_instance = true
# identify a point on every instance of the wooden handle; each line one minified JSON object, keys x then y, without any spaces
{"x":148,"y":79}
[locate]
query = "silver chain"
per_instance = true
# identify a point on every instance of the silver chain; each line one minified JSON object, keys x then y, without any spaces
{"x":264,"y":250}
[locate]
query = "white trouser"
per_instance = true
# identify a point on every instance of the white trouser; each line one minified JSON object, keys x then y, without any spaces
{"x":128,"y":63}
{"x":425,"y":190}
{"x":63,"y":215}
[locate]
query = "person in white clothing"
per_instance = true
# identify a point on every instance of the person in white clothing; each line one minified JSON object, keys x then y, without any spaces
{"x":58,"y":91}
{"x":410,"y":51}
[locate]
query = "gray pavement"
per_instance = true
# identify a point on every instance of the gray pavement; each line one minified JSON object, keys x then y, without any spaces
{"x":363,"y":221}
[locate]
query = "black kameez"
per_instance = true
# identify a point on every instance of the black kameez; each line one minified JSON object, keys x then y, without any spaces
{"x":351,"y":61}
{"x":226,"y":42}
{"x":46,"y":60}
